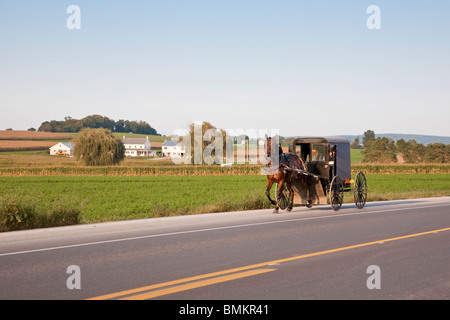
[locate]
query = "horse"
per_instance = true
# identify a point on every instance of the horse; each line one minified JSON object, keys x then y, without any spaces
{"x":285,"y":173}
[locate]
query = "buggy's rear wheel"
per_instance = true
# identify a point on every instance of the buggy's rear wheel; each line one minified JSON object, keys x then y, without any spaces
{"x":336,"y":193}
{"x":360,"y":190}
{"x":283,"y":203}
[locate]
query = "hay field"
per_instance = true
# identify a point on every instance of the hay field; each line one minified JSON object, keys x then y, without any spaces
{"x":30,"y":140}
{"x":33,"y":135}
{"x":24,"y":145}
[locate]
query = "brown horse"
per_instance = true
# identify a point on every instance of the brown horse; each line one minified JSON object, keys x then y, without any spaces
{"x":285,"y":174}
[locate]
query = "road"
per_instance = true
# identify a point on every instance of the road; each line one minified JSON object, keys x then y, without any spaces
{"x":388,"y":250}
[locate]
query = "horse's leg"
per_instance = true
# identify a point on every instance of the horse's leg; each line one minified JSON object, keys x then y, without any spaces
{"x":308,"y":196}
{"x":291,"y":197}
{"x":304,"y":182}
{"x":278,"y":195}
{"x":269,"y":186}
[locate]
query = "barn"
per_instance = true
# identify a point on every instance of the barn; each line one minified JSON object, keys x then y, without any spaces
{"x":62,"y":149}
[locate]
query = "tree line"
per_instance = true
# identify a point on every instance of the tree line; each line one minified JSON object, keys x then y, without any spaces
{"x":97,"y":121}
{"x":385,"y":150}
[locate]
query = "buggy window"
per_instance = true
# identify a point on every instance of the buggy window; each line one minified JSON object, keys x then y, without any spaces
{"x":302,"y":150}
{"x":318,"y":152}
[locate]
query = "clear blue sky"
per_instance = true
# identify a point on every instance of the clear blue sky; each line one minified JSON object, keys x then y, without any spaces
{"x":303,"y":67}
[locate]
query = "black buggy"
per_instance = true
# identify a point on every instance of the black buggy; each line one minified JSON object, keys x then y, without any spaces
{"x":328,"y":172}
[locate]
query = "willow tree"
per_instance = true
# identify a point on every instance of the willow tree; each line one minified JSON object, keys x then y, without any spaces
{"x":210,"y":139}
{"x":98,"y":147}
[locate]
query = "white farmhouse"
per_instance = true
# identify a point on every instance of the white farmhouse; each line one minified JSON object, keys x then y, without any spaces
{"x":138,"y":147}
{"x":172,"y":149}
{"x":62,"y":149}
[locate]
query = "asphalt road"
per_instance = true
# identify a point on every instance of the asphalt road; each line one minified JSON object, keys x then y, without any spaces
{"x":388,"y":250}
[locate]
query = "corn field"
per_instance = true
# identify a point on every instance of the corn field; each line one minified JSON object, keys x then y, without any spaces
{"x":190,"y":170}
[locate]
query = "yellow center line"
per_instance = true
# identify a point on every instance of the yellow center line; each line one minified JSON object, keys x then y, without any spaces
{"x":175,"y":282}
{"x":197,"y":284}
{"x":241,"y":269}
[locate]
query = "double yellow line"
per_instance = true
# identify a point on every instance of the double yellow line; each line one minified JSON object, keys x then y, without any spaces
{"x":169,"y":287}
{"x":184,"y":284}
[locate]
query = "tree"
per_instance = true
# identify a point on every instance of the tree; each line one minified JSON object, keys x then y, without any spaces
{"x":45,"y":126}
{"x":355,"y":144}
{"x":369,"y":134}
{"x":209,"y":134}
{"x":411,"y":151}
{"x":97,"y":121}
{"x":72,"y":125}
{"x":436,"y":152}
{"x":381,"y":150}
{"x":140,"y":127}
{"x":447,"y":153}
{"x":98,"y":147}
{"x":119,"y":126}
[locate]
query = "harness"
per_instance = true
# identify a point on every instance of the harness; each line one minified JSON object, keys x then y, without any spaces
{"x":292,"y":174}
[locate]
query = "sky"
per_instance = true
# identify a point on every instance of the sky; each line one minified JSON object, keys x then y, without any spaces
{"x":305,"y":68}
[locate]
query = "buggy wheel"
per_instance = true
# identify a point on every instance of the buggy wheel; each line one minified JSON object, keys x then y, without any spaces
{"x":360,"y":190}
{"x":284,"y":197}
{"x":336,"y":193}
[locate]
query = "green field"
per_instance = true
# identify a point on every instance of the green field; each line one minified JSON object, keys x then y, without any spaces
{"x":356,"y":155}
{"x":60,"y":191}
{"x":112,"y":198}
{"x":118,"y":198}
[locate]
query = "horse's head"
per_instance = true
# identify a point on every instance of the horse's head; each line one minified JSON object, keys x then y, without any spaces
{"x":268,"y":146}
{"x":276,"y":145}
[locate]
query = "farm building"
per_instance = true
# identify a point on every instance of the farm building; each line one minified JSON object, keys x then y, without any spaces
{"x":62,"y":149}
{"x":172,"y":149}
{"x":138,"y":147}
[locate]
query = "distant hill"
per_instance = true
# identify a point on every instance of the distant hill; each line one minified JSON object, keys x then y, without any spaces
{"x":423,"y":139}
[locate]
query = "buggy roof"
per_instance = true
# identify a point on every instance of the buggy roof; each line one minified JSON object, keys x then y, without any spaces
{"x":329,"y":140}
